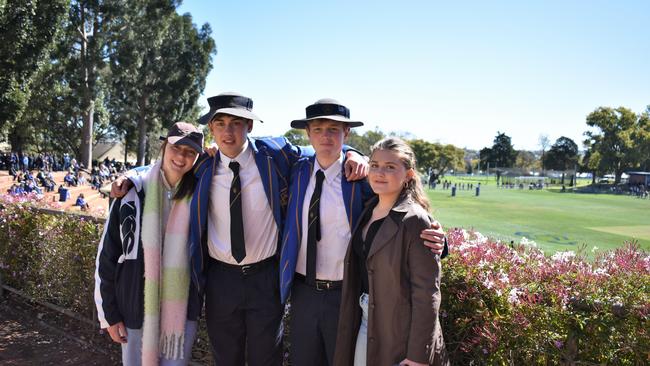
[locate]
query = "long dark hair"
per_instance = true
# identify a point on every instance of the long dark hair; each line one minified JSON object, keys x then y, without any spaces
{"x":412,"y":188}
{"x":188,"y":180}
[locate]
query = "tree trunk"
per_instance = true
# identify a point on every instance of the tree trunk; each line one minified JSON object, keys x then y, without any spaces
{"x":562,"y":178}
{"x":87,"y":135}
{"x":88,"y":102}
{"x":617,"y":177}
{"x":593,"y":177}
{"x":126,"y":149}
{"x":16,"y":140}
{"x":142,"y":130}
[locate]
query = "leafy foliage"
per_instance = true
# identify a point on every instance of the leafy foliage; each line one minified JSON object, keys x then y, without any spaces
{"x":437,"y":159}
{"x":27,"y":31}
{"x":618,"y":141}
{"x":49,"y":257}
{"x":513,"y":305}
{"x":562,"y":156}
{"x":116,"y":68}
{"x":501,"y":154}
{"x":297,"y":137}
{"x":364,"y":142}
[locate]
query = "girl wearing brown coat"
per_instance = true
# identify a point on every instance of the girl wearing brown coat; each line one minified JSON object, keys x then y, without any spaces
{"x":391,"y":290}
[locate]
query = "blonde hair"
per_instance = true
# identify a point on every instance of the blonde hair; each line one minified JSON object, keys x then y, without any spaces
{"x":413,"y":188}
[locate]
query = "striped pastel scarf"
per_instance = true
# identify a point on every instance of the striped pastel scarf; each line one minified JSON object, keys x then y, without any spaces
{"x":166,"y":273}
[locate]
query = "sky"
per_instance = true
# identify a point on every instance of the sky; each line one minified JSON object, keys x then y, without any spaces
{"x":448,"y":72}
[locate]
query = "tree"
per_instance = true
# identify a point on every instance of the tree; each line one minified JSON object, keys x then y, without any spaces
{"x":591,"y":163}
{"x":612,"y":138}
{"x":364,"y":142}
{"x":563,"y":155}
{"x":297,"y":137}
{"x":27,"y":33}
{"x":485,"y":155}
{"x":526,"y":160}
{"x":437,"y":159}
{"x":159,"y":69}
{"x":89,"y":39}
{"x":544,"y":143}
{"x":502,"y":154}
{"x":641,"y":137}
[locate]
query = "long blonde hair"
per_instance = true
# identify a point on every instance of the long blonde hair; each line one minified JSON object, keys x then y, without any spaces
{"x":413,"y":188}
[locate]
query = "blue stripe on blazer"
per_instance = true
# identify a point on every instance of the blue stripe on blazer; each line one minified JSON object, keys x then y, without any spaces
{"x":274,"y":158}
{"x":354,"y":196}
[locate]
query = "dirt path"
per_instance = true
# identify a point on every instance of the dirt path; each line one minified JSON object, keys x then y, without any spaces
{"x":27,"y":340}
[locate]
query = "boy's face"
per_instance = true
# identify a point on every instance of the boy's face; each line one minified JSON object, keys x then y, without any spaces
{"x":327,"y":137}
{"x":230,"y":133}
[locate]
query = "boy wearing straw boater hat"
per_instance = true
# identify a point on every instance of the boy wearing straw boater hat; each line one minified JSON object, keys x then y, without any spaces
{"x":323,"y":209}
{"x":237,"y":217}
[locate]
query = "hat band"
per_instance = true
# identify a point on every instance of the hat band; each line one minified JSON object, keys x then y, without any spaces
{"x":231,"y":101}
{"x":317,"y":110}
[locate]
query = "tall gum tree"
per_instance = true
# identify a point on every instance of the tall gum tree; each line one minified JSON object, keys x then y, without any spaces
{"x":159,"y":69}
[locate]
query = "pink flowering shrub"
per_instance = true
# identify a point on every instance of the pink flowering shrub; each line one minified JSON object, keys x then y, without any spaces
{"x":516,"y":306}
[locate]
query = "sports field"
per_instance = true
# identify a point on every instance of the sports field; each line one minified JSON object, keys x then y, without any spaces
{"x":554,"y":220}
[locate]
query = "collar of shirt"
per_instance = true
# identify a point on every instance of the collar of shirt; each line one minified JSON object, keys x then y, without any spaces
{"x":169,"y":190}
{"x":243,"y":158}
{"x":166,"y":184}
{"x":330,"y":173}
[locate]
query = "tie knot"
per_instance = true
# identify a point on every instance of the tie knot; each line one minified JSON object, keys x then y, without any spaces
{"x":234,"y":166}
{"x":320,"y":177}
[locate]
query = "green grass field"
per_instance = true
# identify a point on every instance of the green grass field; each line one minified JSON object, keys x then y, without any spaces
{"x":556,"y":221}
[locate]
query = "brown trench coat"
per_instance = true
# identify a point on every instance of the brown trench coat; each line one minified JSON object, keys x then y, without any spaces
{"x":404,"y":284}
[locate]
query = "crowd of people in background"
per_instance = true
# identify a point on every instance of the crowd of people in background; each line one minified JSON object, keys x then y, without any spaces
{"x":636,"y":190}
{"x":449,"y":185}
{"x":639,"y":190}
{"x":531,"y":185}
{"x":32,"y":174}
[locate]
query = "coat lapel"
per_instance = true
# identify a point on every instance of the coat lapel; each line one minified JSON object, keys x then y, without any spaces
{"x":390,"y":226}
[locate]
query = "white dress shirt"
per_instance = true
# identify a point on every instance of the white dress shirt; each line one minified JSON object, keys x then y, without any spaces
{"x":335,"y":229}
{"x":260,"y":228}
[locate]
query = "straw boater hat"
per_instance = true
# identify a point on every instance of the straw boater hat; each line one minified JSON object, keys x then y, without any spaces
{"x":326,"y":109}
{"x":230,"y":103}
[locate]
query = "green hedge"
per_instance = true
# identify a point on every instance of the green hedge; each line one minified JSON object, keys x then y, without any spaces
{"x":50,"y":257}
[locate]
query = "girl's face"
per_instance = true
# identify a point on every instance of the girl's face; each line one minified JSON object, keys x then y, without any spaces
{"x":177,"y":160}
{"x":387,"y":173}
